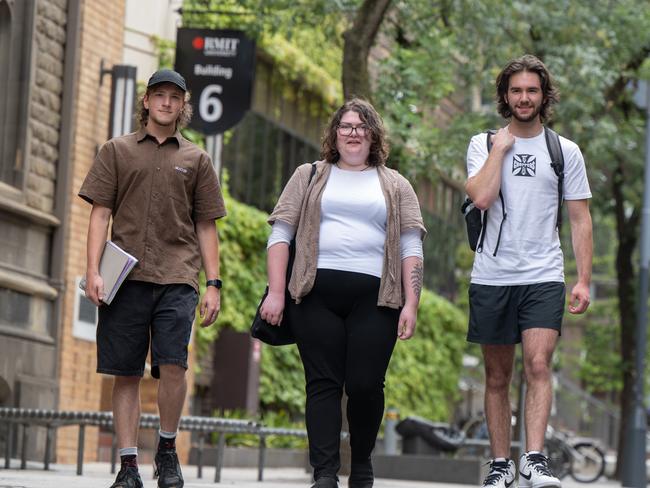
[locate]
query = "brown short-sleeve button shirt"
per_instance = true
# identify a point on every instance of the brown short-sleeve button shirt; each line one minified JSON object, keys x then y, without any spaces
{"x":156,"y":192}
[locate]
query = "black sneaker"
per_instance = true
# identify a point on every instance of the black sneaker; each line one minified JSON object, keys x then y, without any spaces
{"x":128,"y":477}
{"x":326,"y":482}
{"x":168,"y":470}
{"x":361,"y":475}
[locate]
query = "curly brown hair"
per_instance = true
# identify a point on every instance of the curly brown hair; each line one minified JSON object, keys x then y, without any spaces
{"x":183,"y":118}
{"x":532,"y":64}
{"x":378,"y":143}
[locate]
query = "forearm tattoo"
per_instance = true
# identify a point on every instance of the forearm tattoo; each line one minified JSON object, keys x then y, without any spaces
{"x":417,"y":275}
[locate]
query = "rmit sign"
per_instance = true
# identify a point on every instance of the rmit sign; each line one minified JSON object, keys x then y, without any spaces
{"x":219,"y":67}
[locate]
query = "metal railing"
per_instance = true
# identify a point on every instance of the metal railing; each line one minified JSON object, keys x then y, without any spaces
{"x":53,"y":419}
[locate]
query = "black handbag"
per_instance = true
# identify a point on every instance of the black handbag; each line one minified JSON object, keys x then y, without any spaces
{"x":273,"y":335}
{"x":278,"y":335}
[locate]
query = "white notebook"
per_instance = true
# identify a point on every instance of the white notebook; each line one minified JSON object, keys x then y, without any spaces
{"x":114,"y":267}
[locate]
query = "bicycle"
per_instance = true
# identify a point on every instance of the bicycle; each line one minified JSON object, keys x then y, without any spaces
{"x":581,"y":458}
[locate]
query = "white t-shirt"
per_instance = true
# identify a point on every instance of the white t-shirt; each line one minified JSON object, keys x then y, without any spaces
{"x":353,"y":222}
{"x":529,"y":251}
{"x":353,"y":225}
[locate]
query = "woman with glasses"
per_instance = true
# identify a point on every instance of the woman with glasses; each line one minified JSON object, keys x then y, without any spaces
{"x":356,"y":283}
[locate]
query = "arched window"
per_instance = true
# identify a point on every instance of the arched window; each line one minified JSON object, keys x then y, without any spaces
{"x":15,"y":55}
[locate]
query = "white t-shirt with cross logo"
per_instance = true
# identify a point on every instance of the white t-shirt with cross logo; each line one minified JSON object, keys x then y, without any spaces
{"x":529,"y":251}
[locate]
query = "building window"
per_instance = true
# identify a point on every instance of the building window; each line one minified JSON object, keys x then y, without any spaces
{"x":84,"y":325}
{"x":260,"y":158}
{"x":16,"y":31}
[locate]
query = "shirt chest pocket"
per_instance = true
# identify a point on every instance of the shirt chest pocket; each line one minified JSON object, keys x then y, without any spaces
{"x":180,"y":183}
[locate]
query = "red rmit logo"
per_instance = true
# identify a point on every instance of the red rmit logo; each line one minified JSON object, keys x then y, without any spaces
{"x":198,"y":43}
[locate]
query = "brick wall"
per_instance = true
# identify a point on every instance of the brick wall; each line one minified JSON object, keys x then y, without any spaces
{"x":100,"y":38}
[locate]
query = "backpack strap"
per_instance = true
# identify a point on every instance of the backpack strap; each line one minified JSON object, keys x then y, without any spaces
{"x":557,"y":163}
{"x":503,"y":219}
{"x":490,"y":133}
{"x":479,"y":248}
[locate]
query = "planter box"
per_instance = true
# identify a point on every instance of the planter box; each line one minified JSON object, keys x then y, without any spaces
{"x":429,"y":468}
{"x":247,"y":457}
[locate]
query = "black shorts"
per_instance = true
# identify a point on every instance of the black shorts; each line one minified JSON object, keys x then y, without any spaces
{"x":498,"y":314}
{"x":139,"y":311}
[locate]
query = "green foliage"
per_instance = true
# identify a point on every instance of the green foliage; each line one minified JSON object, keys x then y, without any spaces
{"x":424,"y":371}
{"x":600,"y":362}
{"x":242,"y":240}
{"x":194,"y":137}
{"x":282,"y":386}
{"x":165,"y":50}
{"x":293,"y":64}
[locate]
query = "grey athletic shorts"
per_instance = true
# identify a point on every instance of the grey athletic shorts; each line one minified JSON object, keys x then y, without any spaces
{"x":498,"y":314}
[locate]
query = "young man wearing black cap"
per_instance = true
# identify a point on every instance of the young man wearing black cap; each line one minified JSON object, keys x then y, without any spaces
{"x":163,"y":196}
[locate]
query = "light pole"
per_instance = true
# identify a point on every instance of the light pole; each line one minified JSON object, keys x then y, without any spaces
{"x":123,"y":95}
{"x":634,"y":468}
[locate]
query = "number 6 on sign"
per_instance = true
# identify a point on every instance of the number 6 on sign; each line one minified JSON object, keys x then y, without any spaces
{"x":210,"y":107}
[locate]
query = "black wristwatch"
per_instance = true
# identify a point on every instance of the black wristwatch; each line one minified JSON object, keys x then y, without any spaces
{"x":216,"y":283}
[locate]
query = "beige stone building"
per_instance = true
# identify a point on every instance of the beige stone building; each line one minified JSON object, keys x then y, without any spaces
{"x":54,"y":113}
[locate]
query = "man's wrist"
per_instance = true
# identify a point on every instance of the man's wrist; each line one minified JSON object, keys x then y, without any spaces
{"x":216,"y":283}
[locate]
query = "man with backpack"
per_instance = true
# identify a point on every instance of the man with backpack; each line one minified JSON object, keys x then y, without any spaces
{"x":518,"y":178}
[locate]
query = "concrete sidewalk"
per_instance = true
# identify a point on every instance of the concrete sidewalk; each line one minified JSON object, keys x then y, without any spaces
{"x":97,"y":475}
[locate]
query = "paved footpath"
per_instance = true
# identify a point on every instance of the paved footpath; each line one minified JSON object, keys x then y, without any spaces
{"x":97,"y":475}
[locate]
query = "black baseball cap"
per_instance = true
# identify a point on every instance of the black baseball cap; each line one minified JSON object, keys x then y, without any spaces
{"x":167,"y":76}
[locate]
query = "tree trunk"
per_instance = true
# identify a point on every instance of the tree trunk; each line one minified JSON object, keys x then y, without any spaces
{"x":358,"y":40}
{"x":626,"y":228}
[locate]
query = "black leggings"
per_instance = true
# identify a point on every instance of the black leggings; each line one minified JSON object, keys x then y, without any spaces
{"x":344,"y":339}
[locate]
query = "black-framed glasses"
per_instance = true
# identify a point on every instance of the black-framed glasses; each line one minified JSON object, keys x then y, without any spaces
{"x":347,"y":129}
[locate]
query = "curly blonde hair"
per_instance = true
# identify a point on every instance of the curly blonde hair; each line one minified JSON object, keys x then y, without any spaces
{"x":378,"y":143}
{"x":183,"y":118}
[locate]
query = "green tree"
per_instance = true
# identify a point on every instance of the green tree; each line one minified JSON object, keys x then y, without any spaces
{"x":594,"y":49}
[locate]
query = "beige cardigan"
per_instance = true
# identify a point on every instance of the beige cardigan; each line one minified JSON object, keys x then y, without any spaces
{"x":300,"y":206}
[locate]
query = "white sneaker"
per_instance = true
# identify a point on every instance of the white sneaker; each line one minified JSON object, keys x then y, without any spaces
{"x":501,"y":474}
{"x":535,"y":473}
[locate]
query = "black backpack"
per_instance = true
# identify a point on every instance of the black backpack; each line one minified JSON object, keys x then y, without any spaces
{"x":476,"y":220}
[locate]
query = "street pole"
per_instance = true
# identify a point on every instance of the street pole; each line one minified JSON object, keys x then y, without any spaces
{"x":634,"y":469}
{"x":214,"y":146}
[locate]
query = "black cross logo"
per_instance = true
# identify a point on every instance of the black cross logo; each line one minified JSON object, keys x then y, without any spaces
{"x":524,"y":165}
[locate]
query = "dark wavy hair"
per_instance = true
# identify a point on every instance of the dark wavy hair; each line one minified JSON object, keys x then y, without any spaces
{"x":531,"y":64}
{"x":183,"y":118}
{"x":369,"y":116}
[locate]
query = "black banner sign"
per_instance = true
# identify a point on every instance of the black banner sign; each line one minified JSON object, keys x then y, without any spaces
{"x":219,"y":68}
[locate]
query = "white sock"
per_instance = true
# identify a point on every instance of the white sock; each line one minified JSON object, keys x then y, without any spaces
{"x":128,"y":451}
{"x":167,"y":435}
